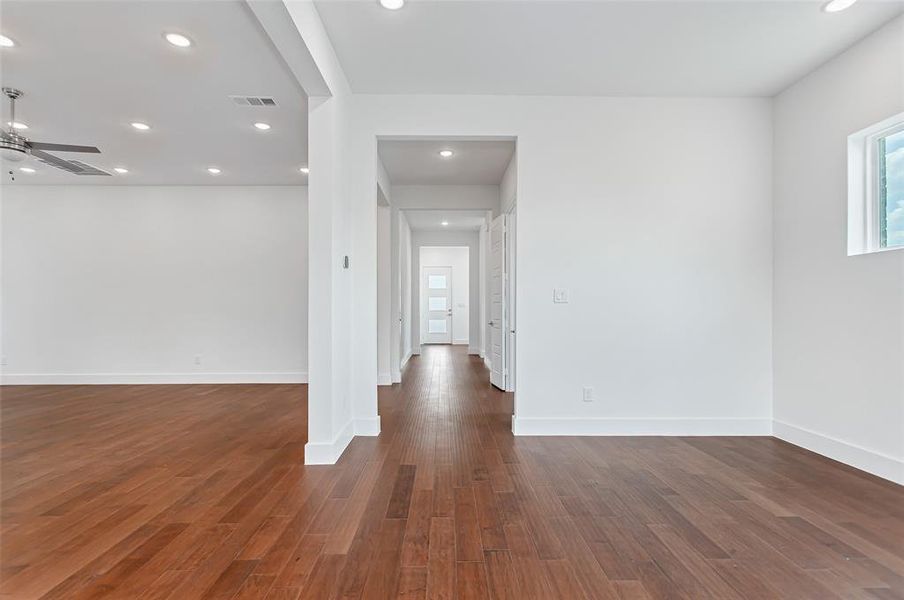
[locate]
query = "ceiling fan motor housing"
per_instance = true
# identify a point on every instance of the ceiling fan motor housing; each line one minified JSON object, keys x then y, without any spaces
{"x":12,"y":147}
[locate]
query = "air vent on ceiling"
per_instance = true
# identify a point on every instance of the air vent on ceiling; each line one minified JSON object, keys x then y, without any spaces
{"x":254,"y":100}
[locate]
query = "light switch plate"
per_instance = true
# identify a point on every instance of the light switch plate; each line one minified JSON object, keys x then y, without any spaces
{"x":560,"y":296}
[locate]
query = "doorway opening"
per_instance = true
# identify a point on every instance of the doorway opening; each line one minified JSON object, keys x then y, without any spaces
{"x":445,"y":285}
{"x":446,"y":252}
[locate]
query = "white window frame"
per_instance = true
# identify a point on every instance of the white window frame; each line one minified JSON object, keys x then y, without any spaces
{"x":863,"y":186}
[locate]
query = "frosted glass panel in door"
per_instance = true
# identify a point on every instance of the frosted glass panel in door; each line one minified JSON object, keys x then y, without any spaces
{"x":436,"y":326}
{"x":436,"y":282}
{"x":437,"y":303}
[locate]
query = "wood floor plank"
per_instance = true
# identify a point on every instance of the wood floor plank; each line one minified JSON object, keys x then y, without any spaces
{"x":180,"y":492}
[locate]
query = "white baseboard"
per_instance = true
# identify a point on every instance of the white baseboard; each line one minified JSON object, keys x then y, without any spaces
{"x":405,"y":359}
{"x":368,"y":427}
{"x":460,"y":342}
{"x":384,"y":379}
{"x":397,"y":377}
{"x":876,"y":463}
{"x":327,"y":453}
{"x":473,"y":350}
{"x":148,"y":378}
{"x":668,"y":427}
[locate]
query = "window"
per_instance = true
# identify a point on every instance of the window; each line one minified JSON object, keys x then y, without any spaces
{"x":876,"y":188}
{"x":891,"y":189}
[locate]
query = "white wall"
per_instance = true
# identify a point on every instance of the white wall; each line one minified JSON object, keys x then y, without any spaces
{"x":435,"y":239}
{"x":662,"y":236}
{"x":128,"y":284}
{"x":342,"y":341}
{"x":458,"y":259}
{"x":384,"y":295}
{"x":405,"y":271}
{"x":508,"y":188}
{"x":839,"y":320}
{"x":470,"y":197}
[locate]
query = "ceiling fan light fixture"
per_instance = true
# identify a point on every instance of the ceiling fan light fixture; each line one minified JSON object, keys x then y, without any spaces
{"x":446,"y":153}
{"x":392,"y":4}
{"x":262,"y":126}
{"x":834,"y":6}
{"x":213,"y":170}
{"x":6,"y":42}
{"x":140,"y":126}
{"x":178,"y":40}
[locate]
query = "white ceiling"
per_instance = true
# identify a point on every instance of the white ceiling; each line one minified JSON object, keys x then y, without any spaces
{"x":458,"y":220}
{"x":88,"y":68}
{"x":593,"y":48}
{"x":417,"y":162}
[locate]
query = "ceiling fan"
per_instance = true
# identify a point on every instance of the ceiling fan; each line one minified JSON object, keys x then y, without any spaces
{"x":15,"y":147}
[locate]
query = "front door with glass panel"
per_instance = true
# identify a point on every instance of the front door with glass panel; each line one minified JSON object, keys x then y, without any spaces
{"x":437,"y":302}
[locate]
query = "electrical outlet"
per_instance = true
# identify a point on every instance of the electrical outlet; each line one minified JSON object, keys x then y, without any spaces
{"x":588,"y":394}
{"x":197,"y":359}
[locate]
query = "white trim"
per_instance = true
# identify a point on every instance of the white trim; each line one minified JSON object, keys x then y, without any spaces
{"x":405,"y":359}
{"x":473,"y":350}
{"x":397,"y":377}
{"x":629,"y":426}
{"x":369,"y":427}
{"x":463,"y":342}
{"x":384,"y":379}
{"x":876,"y":463}
{"x":863,"y":193}
{"x":148,"y":378}
{"x":327,"y":453}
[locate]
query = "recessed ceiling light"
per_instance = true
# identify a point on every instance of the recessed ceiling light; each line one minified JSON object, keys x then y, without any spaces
{"x":834,"y":6}
{"x":17,"y":125}
{"x":6,"y":42}
{"x":305,"y":170}
{"x":446,"y":153}
{"x":213,"y":170}
{"x":262,"y":126}
{"x":445,"y":223}
{"x":177,"y":39}
{"x":26,"y":169}
{"x":392,"y":4}
{"x":120,"y":170}
{"x":140,"y":126}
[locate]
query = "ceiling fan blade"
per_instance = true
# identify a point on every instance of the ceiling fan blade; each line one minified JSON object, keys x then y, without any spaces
{"x":70,"y":166}
{"x":62,"y":147}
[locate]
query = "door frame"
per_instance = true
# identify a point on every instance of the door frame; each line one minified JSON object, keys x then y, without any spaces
{"x":498,"y":368}
{"x":511,"y":254}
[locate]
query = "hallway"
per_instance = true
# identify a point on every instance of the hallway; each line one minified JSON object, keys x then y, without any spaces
{"x":199,"y":492}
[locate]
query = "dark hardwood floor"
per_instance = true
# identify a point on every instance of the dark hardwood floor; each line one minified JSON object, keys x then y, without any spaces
{"x":200,"y":492}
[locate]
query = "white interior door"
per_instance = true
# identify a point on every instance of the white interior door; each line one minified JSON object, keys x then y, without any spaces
{"x":497,"y":302}
{"x":436,"y":291}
